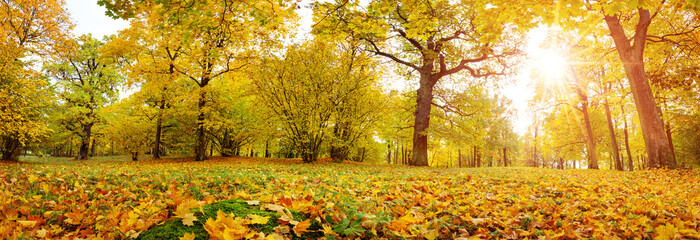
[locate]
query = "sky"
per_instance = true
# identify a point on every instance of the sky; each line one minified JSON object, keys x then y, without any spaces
{"x":90,"y":18}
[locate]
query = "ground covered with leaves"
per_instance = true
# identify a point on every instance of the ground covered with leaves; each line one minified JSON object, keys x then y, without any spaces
{"x":285,"y":199}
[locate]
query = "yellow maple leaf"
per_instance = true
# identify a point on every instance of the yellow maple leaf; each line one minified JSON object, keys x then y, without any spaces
{"x":302,"y":227}
{"x":188,"y":219}
{"x":188,"y":236}
{"x":666,"y":232}
{"x":257,"y":219}
{"x":27,"y":224}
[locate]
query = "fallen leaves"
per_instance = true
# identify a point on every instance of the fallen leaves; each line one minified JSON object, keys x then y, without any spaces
{"x":113,"y":200}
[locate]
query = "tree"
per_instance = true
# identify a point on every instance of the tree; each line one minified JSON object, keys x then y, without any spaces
{"x":317,"y":89}
{"x":29,"y":29}
{"x":435,"y":39}
{"x":87,"y":82}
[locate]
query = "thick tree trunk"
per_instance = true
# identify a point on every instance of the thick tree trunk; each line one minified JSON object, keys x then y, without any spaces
{"x":11,"y":149}
{"x":388,"y":157}
{"x":630,"y":160}
{"x":267,"y":151}
{"x":85,"y":142}
{"x":424,"y":99}
{"x":613,"y":138}
{"x":200,"y":151}
{"x":632,"y":55}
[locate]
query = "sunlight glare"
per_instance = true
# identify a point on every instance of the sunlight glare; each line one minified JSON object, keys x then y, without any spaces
{"x":552,"y":65}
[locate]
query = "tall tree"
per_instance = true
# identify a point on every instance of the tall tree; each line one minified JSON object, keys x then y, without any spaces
{"x":87,"y":82}
{"x":28,"y":29}
{"x":433,"y":38}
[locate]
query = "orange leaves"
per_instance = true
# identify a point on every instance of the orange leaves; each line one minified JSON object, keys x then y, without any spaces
{"x":228,"y":227}
{"x":302,"y":227}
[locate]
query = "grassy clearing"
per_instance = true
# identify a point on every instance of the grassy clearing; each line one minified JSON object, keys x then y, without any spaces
{"x":116,"y":199}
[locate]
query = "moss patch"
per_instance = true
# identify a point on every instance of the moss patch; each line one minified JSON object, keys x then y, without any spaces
{"x":173,"y":229}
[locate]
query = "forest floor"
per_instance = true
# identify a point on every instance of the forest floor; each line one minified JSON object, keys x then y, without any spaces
{"x":118,"y":199}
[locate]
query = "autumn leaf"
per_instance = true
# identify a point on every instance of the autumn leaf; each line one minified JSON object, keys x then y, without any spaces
{"x":188,"y":236}
{"x":301,"y":227}
{"x":253,"y":202}
{"x":272,"y":207}
{"x":257,"y":219}
{"x":666,"y":232}
{"x":188,"y":219}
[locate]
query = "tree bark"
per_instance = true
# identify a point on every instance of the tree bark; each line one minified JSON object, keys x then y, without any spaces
{"x":159,"y":127}
{"x":92,"y":148}
{"x":631,"y":52}
{"x":613,"y":138}
{"x":505,"y":158}
{"x":200,"y":151}
{"x":424,"y":100}
{"x":85,"y":142}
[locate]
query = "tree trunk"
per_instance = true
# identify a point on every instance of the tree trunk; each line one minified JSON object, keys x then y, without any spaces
{"x":590,"y":139}
{"x":505,"y":158}
{"x":388,"y":157}
{"x":267,"y":151}
{"x":11,"y":149}
{"x":85,"y":142}
{"x":670,"y":138}
{"x":424,"y":100}
{"x":159,"y":129}
{"x":92,"y":148}
{"x":201,"y":148}
{"x":630,"y":164}
{"x":459,"y":156}
{"x":613,"y":138}
{"x":632,"y":55}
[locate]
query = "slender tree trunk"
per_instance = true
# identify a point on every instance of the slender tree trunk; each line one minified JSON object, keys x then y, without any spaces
{"x":424,"y":100}
{"x":267,"y":145}
{"x":630,"y":164}
{"x":631,"y":53}
{"x":388,"y":156}
{"x":159,"y":129}
{"x":613,"y":138}
{"x":670,"y":138}
{"x":201,"y":148}
{"x":459,"y":156}
{"x":505,"y":158}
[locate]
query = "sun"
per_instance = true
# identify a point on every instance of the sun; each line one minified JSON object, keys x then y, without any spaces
{"x":552,"y":65}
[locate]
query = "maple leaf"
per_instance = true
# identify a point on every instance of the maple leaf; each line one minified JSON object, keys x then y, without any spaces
{"x":27,"y":224}
{"x":253,"y":202}
{"x":272,"y":207}
{"x":301,"y":227}
{"x":188,"y":236}
{"x":188,"y":219}
{"x":666,"y":232}
{"x":257,"y":219}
